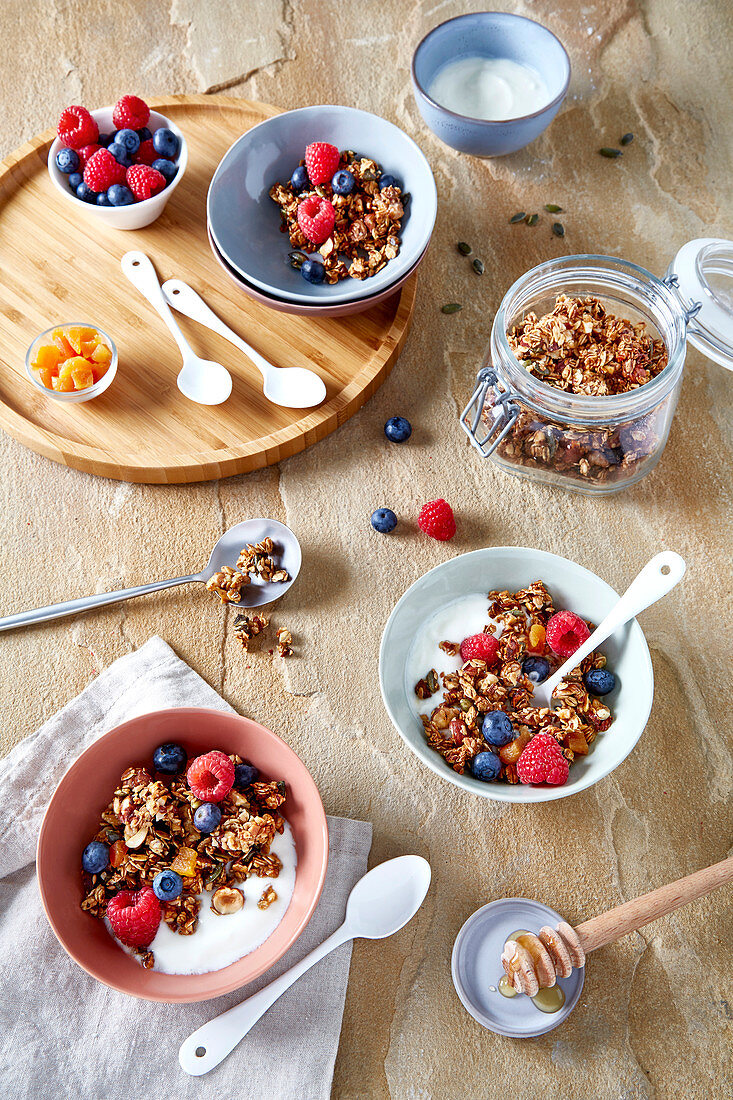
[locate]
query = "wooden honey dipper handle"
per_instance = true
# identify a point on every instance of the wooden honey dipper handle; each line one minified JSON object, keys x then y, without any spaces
{"x":634,"y":914}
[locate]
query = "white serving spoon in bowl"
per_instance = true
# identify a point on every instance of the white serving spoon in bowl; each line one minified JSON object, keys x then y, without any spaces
{"x":658,"y":577}
{"x":200,"y":380}
{"x":293,"y":387}
{"x":381,"y":903}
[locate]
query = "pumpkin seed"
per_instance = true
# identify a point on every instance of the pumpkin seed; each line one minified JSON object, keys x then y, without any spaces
{"x":517,"y":217}
{"x":465,"y":704}
{"x":464,"y":249}
{"x":297,"y":259}
{"x":432,"y":681}
{"x":610,"y":153}
{"x":627,"y":139}
{"x":478,"y":266}
{"x":532,"y":219}
{"x":558,"y":229}
{"x":451,"y":307}
{"x":553,"y":208}
{"x":369,"y":175}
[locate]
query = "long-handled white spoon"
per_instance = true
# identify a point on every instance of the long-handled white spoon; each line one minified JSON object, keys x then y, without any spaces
{"x":224,"y":553}
{"x":381,"y":903}
{"x":293,"y":387}
{"x":201,"y":380}
{"x":656,"y":579}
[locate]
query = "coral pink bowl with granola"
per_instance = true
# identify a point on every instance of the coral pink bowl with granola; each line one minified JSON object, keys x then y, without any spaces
{"x":86,"y":792}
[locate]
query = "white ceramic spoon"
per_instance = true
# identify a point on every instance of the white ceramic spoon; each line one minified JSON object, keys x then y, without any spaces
{"x":381,"y":903}
{"x":200,"y":380}
{"x":293,"y":387}
{"x":656,"y":579}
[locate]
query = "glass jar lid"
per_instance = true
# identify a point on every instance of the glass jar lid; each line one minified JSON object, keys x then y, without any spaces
{"x":701,"y":274}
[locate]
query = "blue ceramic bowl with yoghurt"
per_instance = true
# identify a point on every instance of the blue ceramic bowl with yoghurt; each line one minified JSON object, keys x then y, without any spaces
{"x":489,"y":83}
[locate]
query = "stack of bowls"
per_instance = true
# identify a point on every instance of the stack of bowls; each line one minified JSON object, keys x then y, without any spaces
{"x":244,"y":223}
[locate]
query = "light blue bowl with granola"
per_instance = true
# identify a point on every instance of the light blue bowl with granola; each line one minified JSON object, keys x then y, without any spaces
{"x":245,"y":222}
{"x":463,"y":583}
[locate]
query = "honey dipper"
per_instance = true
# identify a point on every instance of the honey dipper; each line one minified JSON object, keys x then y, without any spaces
{"x":533,"y":962}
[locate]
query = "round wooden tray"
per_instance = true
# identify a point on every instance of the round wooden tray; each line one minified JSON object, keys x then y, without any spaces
{"x":57,"y":265}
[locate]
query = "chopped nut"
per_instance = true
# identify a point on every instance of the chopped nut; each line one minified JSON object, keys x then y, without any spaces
{"x":267,"y":898}
{"x":284,"y":642}
{"x":226,"y":900}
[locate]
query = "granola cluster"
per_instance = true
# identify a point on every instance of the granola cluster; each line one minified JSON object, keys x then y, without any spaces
{"x":366,"y":234}
{"x":582,"y":349}
{"x":453,"y":728}
{"x":255,"y":560}
{"x":149,"y":826}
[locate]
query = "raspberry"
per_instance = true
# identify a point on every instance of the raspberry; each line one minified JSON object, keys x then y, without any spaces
{"x":131,"y":113}
{"x":134,"y":916}
{"x":542,"y":761}
{"x":102,"y":170}
{"x":77,"y":127}
{"x":211,"y":777}
{"x":436,"y":519}
{"x":321,"y":161}
{"x":565,"y":632}
{"x":316,"y":218}
{"x":480,"y":647}
{"x":144,"y":182}
{"x":146,"y":154}
{"x":85,"y":153}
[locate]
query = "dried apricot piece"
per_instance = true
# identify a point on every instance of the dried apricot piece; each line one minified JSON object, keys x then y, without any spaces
{"x":101,"y":354}
{"x":46,"y":377}
{"x":63,"y":344}
{"x":82,"y":378}
{"x":185,"y":862}
{"x":117,"y":853}
{"x":47,"y":357}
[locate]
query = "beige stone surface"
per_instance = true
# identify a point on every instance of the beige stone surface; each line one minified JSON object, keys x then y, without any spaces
{"x":655,"y":1014}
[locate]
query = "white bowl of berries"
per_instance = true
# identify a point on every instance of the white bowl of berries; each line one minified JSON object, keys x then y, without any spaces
{"x":120,"y":164}
{"x":461,"y":651}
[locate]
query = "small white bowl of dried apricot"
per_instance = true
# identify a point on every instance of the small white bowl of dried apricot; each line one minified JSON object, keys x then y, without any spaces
{"x":72,"y":362}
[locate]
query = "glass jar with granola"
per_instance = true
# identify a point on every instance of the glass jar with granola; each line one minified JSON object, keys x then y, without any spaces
{"x":584,"y":368}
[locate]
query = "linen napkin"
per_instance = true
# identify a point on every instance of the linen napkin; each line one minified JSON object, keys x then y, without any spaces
{"x":64,"y":1034}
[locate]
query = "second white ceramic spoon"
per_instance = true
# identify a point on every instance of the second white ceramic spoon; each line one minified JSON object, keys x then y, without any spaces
{"x":381,"y":903}
{"x":656,"y":579}
{"x":293,"y":387}
{"x":200,"y":380}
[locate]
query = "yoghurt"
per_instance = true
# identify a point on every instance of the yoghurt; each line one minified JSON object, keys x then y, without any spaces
{"x":491,"y":88}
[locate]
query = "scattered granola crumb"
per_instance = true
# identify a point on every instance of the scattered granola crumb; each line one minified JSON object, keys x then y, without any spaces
{"x":267,"y":898}
{"x":248,"y":626}
{"x":284,"y":642}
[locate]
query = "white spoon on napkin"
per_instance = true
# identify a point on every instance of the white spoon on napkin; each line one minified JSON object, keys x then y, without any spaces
{"x":381,"y":903}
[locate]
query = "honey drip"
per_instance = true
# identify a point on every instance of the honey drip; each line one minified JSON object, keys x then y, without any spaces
{"x":549,"y":1000}
{"x":506,"y":988}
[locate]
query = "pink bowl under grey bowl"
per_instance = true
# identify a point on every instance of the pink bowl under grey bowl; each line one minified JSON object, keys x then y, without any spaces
{"x":342,"y":309}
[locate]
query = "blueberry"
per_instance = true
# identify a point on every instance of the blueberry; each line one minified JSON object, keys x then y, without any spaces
{"x":343,"y":182}
{"x":537,"y":669}
{"x":169,"y":758}
{"x":486,"y":766}
{"x":387,"y":181}
{"x":397,"y":429}
{"x":313,"y":271}
{"x":299,"y":179}
{"x":104,"y":140}
{"x":85,"y":193}
{"x":129,"y":139}
{"x":120,"y":153}
{"x":599,"y":681}
{"x":384,"y":520}
{"x":166,"y":168}
{"x":244,"y":774}
{"x":95,"y":857}
{"x":119,"y":195}
{"x":67,"y":161}
{"x":497,"y":728}
{"x":144,"y":134}
{"x":167,"y":885}
{"x":165,"y":143}
{"x":102,"y":199}
{"x":74,"y":180}
{"x":207,"y":817}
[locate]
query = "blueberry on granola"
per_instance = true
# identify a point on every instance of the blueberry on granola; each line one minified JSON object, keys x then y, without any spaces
{"x":486,"y":766}
{"x":497,"y":728}
{"x":387,"y":181}
{"x":167,"y":885}
{"x":299,"y":179}
{"x":207,"y":817}
{"x":599,"y":681}
{"x":536,"y":669}
{"x":169,"y":759}
{"x":313,"y":271}
{"x":95,"y":857}
{"x":245,"y":774}
{"x":343,"y":182}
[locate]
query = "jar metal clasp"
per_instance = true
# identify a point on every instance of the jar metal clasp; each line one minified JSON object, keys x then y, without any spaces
{"x":506,"y":411}
{"x":690,"y":309}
